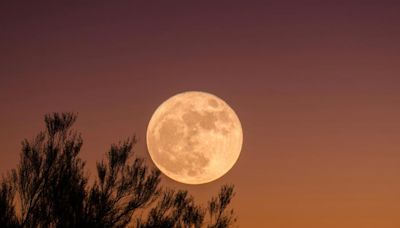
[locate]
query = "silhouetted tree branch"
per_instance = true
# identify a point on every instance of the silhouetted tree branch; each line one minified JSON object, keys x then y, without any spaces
{"x":217,"y":208}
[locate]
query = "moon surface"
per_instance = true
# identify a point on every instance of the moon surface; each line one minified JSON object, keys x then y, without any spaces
{"x":194,"y":137}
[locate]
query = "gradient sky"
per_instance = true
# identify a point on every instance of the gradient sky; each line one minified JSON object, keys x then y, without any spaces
{"x":315,"y":84}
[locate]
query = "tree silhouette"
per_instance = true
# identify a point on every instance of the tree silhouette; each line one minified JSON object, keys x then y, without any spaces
{"x":49,"y":188}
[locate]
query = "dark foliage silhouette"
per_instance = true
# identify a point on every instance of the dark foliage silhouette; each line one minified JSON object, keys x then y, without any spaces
{"x":121,"y":188}
{"x":49,"y":188}
{"x":7,"y":211}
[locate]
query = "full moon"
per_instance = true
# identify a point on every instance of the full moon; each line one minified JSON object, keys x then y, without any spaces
{"x":194,"y":137}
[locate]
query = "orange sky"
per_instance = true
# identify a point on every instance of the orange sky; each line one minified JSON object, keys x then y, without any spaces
{"x":316,"y":86}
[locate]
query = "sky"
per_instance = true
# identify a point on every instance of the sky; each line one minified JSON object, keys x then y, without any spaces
{"x":315,"y":84}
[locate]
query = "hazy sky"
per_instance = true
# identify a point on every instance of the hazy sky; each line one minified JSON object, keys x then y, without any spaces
{"x":315,"y":84}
